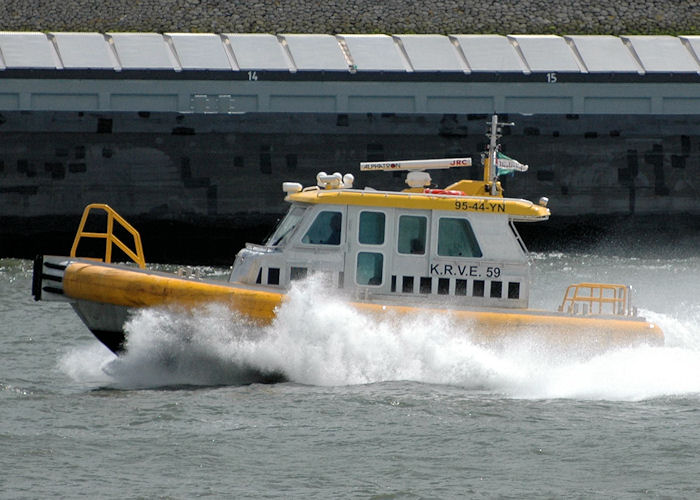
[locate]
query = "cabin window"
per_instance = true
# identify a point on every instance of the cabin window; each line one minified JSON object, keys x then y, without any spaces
{"x":412,"y":230}
{"x":371,"y":228}
{"x":369,"y":268}
{"x":286,"y":227}
{"x":456,"y":238}
{"x":325,"y":230}
{"x":273,"y":276}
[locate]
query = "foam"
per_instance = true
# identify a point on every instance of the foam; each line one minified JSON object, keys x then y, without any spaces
{"x":328,"y":343}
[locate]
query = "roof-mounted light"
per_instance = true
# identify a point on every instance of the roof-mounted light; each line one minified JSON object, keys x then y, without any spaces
{"x":329,"y":181}
{"x":334,"y":181}
{"x":291,"y":187}
{"x":348,"y":179}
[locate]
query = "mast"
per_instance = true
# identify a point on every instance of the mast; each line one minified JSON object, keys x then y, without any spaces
{"x":490,"y":170}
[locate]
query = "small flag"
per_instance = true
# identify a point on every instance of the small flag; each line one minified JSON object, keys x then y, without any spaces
{"x":506,"y":165}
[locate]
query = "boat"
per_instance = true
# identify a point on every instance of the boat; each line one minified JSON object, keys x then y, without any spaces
{"x":422,"y":249}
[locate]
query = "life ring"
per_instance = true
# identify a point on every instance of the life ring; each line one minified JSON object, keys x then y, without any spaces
{"x":448,"y":192}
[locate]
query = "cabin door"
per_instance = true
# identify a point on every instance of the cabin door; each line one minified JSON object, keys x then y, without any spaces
{"x":369,"y":237}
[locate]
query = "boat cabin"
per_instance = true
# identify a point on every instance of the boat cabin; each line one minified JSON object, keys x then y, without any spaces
{"x":456,"y":245}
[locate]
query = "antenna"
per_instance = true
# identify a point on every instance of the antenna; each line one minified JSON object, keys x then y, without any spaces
{"x":413,"y":165}
{"x":490,"y":171}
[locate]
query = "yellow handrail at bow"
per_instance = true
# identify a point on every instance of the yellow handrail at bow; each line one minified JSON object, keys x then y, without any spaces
{"x":110,"y":239}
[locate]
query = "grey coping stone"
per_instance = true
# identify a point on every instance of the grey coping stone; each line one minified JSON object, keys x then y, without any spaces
{"x":84,"y":51}
{"x":482,"y":53}
{"x":490,"y":53}
{"x":142,"y":51}
{"x":316,"y":52}
{"x":693,"y":43}
{"x":662,"y":54}
{"x":604,"y":54}
{"x":27,"y":50}
{"x":258,"y":51}
{"x":546,"y":53}
{"x":374,"y":52}
{"x":200,"y":51}
{"x":431,"y":53}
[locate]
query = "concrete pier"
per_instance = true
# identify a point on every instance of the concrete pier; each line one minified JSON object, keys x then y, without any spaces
{"x":193,"y":134}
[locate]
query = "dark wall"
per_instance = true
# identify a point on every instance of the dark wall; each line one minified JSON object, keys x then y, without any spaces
{"x":222,"y":175}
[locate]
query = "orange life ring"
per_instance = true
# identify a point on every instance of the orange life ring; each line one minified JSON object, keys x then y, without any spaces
{"x":448,"y":192}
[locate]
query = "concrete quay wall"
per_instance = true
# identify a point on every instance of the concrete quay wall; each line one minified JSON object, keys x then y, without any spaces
{"x":355,"y":16}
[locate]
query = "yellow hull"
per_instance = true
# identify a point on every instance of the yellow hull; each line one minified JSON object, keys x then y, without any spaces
{"x":124,"y":287}
{"x":99,"y":283}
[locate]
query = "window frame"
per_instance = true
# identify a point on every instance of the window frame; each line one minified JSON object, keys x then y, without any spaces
{"x":470,"y":235}
{"x":276,"y":240}
{"x":382,"y":265}
{"x":426,"y":242}
{"x":307,"y":229}
{"x":359,"y":227}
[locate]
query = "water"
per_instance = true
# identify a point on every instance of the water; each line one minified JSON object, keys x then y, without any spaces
{"x":401,"y":409}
